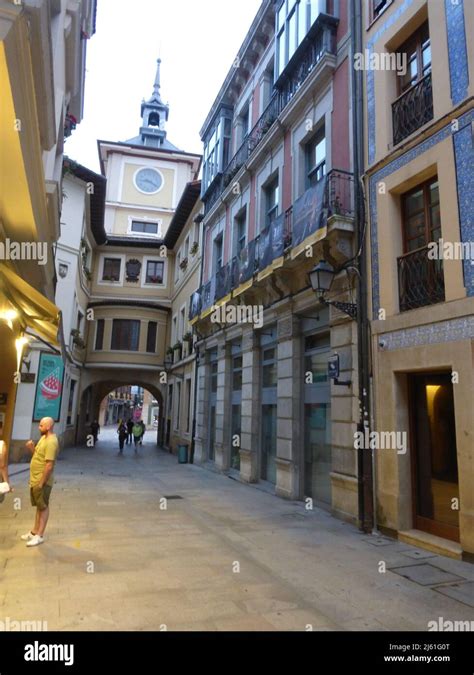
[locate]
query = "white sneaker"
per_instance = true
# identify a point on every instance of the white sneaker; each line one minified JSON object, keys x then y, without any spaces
{"x":36,"y":540}
{"x":27,"y":537}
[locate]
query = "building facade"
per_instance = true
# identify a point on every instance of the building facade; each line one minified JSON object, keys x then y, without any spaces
{"x":420,"y":188}
{"x":184,"y":241}
{"x":42,"y":71}
{"x":278,"y":190}
{"x":128,"y":327}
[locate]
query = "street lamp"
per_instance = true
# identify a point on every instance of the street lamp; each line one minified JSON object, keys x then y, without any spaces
{"x":321,"y":278}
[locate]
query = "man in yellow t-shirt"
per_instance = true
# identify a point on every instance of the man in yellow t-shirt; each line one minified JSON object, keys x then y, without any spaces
{"x":41,"y":478}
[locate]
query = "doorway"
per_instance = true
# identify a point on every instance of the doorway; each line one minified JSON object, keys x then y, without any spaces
{"x":434,"y":456}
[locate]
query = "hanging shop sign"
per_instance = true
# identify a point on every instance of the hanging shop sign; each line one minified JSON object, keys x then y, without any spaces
{"x":49,"y":387}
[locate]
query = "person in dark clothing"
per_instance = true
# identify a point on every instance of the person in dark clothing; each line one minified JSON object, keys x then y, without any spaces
{"x":129,"y":431}
{"x":95,"y":430}
{"x":122,"y":434}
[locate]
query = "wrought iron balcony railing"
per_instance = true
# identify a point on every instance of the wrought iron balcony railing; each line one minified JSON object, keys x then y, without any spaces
{"x":412,"y":109}
{"x":332,"y":195}
{"x":420,"y":280}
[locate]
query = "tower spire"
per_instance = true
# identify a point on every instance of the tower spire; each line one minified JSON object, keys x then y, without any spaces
{"x":157,"y":85}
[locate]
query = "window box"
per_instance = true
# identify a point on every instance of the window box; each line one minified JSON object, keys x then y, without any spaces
{"x":177,"y":351}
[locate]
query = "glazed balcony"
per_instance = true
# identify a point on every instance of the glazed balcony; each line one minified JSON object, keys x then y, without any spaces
{"x":325,"y":211}
{"x":413,"y":109}
{"x":308,"y":58}
{"x":420,"y":280}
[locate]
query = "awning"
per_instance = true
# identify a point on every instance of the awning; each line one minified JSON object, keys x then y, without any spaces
{"x":35,"y":311}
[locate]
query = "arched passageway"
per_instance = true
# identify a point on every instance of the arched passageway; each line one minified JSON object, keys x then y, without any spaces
{"x":94,"y":393}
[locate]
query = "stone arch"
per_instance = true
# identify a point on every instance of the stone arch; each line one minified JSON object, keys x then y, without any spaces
{"x":96,"y":385}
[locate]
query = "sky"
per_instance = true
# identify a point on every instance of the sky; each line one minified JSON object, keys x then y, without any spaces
{"x":197,"y":43}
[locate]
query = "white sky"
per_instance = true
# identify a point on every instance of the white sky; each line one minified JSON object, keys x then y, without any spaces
{"x":197,"y":41}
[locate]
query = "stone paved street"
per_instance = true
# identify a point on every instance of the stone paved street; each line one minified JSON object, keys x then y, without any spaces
{"x":224,"y":557}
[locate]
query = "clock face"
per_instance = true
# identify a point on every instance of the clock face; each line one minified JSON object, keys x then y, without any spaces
{"x":148,"y":180}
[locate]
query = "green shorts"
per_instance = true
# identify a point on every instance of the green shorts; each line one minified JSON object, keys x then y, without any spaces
{"x":40,"y":496}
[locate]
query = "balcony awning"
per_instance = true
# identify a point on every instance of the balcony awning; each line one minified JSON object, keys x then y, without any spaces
{"x":36,"y":312}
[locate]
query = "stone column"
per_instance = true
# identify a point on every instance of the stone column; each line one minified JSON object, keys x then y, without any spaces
{"x":202,"y":406}
{"x":250,"y":419}
{"x":344,"y":416}
{"x":221,"y":445}
{"x":289,"y":442}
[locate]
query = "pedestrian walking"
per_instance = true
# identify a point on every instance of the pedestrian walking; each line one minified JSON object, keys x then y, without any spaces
{"x":41,"y":479}
{"x":95,"y":430}
{"x":129,"y":430}
{"x":137,"y":432}
{"x":122,"y":434}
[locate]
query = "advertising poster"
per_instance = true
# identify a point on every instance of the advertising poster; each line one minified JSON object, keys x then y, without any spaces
{"x":49,"y":387}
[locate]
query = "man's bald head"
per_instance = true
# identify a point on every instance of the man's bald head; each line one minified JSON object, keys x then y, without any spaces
{"x":46,"y":425}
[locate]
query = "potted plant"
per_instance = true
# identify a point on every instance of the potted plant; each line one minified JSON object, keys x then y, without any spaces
{"x":177,"y":350}
{"x":77,"y":339}
{"x":194,"y":248}
{"x":184,"y":263}
{"x":188,"y":341}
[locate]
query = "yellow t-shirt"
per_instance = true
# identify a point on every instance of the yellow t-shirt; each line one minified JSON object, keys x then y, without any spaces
{"x":46,"y":449}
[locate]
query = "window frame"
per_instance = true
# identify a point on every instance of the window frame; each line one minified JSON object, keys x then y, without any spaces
{"x":315,"y":171}
{"x":104,"y":264}
{"x":137,"y":322}
{"x":148,"y":276}
{"x":417,"y":38}
{"x":428,"y":229}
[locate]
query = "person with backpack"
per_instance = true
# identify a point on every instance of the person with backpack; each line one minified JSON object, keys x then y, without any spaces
{"x":137,"y":432}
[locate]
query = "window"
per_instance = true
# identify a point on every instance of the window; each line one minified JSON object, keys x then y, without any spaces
{"x":421,"y":216}
{"x":111,"y":271}
{"x":237,"y":373}
{"x":182,"y":322}
{"x":155,"y":272}
{"x":178,"y":404}
{"x":188,"y":406}
{"x":218,"y":249}
{"x":99,"y":335}
{"x":414,"y":106}
{"x":377,"y":7}
{"x":244,"y":122}
{"x":70,"y":405}
{"x":293,"y":21}
{"x":174,"y":336}
{"x":125,"y":335}
{"x":213,"y":377}
{"x":316,"y":158}
{"x":269,"y":368}
{"x":186,"y":247}
{"x":151,"y":337}
{"x":144,"y":228}
{"x":216,"y":150}
{"x":316,"y":349}
{"x":420,"y":278}
{"x":240,"y":230}
{"x":418,"y":54}
{"x":271,"y":197}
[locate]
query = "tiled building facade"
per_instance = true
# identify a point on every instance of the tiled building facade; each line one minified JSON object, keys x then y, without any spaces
{"x":420,"y":188}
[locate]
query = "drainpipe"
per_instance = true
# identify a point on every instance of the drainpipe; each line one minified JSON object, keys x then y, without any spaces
{"x":365,"y":457}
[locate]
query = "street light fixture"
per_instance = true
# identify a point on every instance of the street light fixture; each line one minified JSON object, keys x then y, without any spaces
{"x":321,"y":278}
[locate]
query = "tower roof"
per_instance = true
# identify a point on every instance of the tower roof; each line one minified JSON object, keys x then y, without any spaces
{"x":154,"y":113}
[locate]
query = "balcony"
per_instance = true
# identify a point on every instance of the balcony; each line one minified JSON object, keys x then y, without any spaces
{"x":412,"y":109}
{"x":420,"y":280}
{"x":329,"y":203}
